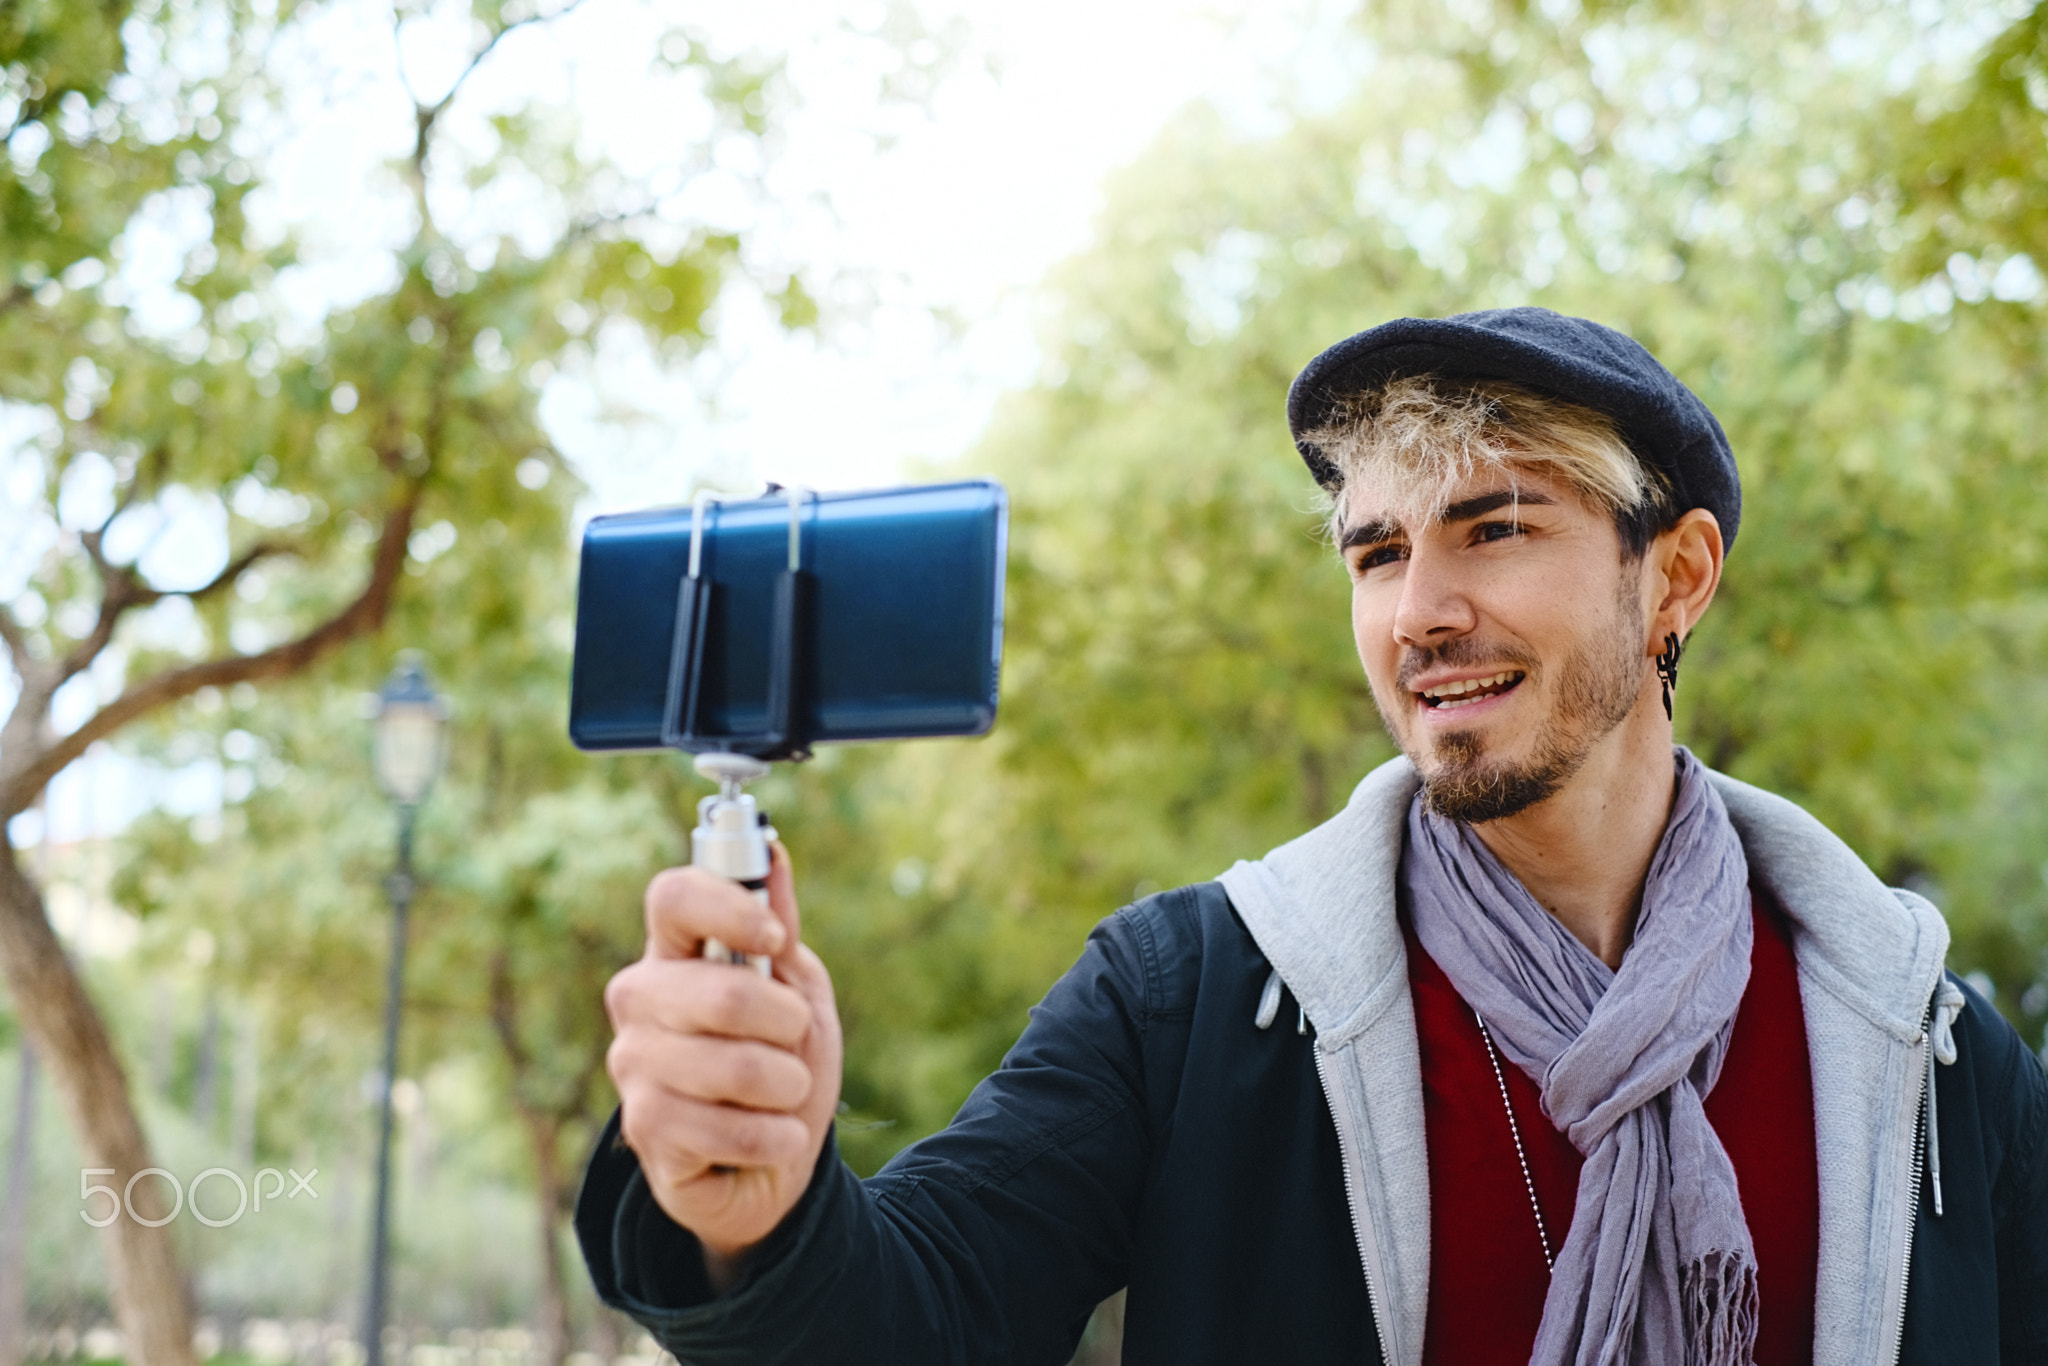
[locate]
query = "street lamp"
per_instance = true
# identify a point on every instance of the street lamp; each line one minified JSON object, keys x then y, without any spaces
{"x":408,"y":748}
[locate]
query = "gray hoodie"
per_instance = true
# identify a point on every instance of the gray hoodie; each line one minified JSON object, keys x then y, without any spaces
{"x":1321,"y":909}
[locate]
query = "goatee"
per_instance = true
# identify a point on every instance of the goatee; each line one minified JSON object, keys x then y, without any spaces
{"x":1466,"y":788}
{"x":1597,"y":687}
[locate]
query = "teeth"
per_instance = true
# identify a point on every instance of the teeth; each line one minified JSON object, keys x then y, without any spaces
{"x":1444,"y":692}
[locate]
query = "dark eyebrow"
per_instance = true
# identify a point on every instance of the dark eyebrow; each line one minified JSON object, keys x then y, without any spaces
{"x":1493,"y":502}
{"x":1369,"y":533}
{"x":1386,"y":529}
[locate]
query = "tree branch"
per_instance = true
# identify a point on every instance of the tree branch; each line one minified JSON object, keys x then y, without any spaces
{"x":155,"y":461}
{"x":24,"y":774}
{"x":593,"y":223}
{"x":426,"y":115}
{"x":15,"y":639}
{"x":237,"y":567}
{"x":121,"y":591}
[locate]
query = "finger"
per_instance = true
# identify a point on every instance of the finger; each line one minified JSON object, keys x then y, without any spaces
{"x":652,"y":1122}
{"x":717,"y":1071}
{"x":681,"y":1135}
{"x":806,"y":973}
{"x":694,"y":996}
{"x":686,"y":906}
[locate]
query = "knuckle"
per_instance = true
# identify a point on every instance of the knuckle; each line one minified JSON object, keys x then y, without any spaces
{"x":747,"y":1075}
{"x":665,"y":884}
{"x":618,"y":1061}
{"x":661,"y":889}
{"x":626,"y":1061}
{"x":753,"y":1140}
{"x":635,"y":1118}
{"x":676,"y":897}
{"x":619,"y":995}
{"x":726,"y":996}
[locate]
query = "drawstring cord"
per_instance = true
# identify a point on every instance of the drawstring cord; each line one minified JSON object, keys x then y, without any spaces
{"x":1947,"y":1005}
{"x":1269,"y":1006}
{"x":1269,"y":1002}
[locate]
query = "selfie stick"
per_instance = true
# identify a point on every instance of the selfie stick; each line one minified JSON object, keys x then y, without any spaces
{"x":732,"y":834}
{"x":731,"y":839}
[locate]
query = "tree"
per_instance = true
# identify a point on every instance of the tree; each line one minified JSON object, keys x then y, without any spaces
{"x":327,"y":464}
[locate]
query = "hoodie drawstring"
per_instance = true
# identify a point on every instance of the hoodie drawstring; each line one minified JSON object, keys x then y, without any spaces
{"x":1269,"y":1002}
{"x":1947,"y":1005}
{"x":1269,"y":1006}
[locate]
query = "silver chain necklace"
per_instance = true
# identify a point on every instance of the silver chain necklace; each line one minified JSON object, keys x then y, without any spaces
{"x":1514,"y":1129}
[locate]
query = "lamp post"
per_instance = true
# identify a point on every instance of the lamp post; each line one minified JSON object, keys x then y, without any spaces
{"x":408,"y":747}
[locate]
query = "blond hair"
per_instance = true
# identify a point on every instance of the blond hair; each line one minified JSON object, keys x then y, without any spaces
{"x":1417,"y":438}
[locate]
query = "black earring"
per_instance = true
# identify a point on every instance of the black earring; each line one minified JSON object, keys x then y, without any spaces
{"x":1667,"y":668}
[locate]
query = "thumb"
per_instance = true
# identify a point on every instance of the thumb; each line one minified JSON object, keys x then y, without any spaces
{"x":782,"y":900}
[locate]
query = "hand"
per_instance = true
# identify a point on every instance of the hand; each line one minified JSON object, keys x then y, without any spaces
{"x":727,"y":1080}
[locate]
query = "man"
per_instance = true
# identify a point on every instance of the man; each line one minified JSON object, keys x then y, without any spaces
{"x":1552,"y":1046}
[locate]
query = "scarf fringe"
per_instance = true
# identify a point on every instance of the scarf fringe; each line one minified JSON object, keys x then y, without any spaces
{"x":1719,"y":1297}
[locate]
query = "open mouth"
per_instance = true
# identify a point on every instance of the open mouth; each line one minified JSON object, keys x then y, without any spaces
{"x":1465,"y":691}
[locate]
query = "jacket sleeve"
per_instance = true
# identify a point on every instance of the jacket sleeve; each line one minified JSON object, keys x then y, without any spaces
{"x":2020,"y":1205}
{"x":990,"y":1241}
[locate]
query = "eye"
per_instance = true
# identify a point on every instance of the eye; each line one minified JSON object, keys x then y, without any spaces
{"x":1374,"y":557}
{"x":1498,"y":531}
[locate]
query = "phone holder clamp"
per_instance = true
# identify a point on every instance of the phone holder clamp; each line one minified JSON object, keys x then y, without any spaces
{"x":792,"y":628}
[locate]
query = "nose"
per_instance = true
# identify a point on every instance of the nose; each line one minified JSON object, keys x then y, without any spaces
{"x":1433,"y":606}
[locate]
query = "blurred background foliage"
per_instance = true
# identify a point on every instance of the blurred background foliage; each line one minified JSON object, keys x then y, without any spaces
{"x":1824,"y":215}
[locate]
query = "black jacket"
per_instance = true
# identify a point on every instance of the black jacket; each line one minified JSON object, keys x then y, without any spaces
{"x":1144,"y":1132}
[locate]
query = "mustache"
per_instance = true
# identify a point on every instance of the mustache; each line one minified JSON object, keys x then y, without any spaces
{"x":1462,"y":653}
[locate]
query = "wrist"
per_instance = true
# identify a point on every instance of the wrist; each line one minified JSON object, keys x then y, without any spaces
{"x":723,"y":1266}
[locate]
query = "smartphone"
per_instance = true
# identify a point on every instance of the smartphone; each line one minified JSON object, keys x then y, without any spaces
{"x":769,"y":624}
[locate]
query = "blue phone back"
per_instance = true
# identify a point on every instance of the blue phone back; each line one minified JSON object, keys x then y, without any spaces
{"x":909,"y":627}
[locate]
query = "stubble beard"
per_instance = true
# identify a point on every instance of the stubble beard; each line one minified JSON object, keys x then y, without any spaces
{"x":1597,"y":688}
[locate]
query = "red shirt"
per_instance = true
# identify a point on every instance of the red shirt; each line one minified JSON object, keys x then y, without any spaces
{"x":1486,"y":1274}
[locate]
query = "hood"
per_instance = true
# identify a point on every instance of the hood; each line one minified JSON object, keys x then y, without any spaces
{"x":1321,"y":907}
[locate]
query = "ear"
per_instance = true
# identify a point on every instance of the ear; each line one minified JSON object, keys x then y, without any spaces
{"x":1685,"y":569}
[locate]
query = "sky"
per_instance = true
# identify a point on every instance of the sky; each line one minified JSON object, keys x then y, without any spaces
{"x":937,"y":221}
{"x":954,"y":210}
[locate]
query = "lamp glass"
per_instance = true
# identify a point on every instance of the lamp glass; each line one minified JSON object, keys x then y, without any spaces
{"x":408,"y":749}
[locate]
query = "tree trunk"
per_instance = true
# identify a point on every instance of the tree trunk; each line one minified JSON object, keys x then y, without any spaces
{"x":607,"y":1338}
{"x":551,"y":1347}
{"x":14,"y":1215}
{"x":151,"y":1299}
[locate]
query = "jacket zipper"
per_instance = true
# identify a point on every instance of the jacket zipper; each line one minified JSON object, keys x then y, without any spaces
{"x":1926,"y":1040}
{"x":1382,"y":1325}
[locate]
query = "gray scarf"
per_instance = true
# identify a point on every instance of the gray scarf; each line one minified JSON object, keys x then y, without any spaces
{"x":1659,"y":1268}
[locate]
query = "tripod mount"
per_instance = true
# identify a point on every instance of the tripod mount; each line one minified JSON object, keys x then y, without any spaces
{"x":732,"y":837}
